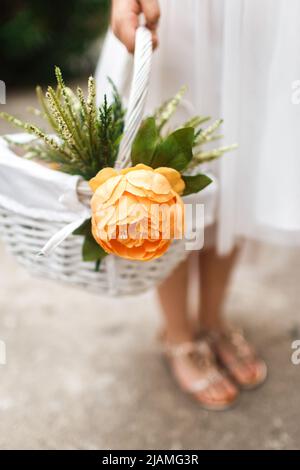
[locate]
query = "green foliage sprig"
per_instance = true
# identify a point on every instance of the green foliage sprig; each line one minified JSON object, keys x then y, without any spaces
{"x":181,"y":149}
{"x":86,"y":137}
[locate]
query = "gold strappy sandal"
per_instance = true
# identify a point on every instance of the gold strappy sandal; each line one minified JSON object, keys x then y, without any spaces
{"x":239,"y":358}
{"x":186,"y":360}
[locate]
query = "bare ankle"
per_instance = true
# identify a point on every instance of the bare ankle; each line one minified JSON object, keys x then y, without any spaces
{"x":207,"y":325}
{"x":178,"y":337}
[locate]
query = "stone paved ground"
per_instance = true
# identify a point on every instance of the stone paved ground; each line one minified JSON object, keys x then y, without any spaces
{"x":83,"y":372}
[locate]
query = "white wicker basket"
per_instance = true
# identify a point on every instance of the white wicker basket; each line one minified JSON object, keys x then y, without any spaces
{"x":37,"y":202}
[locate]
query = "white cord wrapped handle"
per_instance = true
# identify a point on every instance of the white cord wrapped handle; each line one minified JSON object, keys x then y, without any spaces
{"x":136,"y":103}
{"x":138,"y":93}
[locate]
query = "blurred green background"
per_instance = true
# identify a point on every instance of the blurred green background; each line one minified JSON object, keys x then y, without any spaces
{"x":35,"y":35}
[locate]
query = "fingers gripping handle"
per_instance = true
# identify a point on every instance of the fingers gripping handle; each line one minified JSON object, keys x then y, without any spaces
{"x":138,"y":93}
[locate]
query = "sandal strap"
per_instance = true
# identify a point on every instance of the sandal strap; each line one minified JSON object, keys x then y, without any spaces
{"x":206,"y":357}
{"x":211,"y":378}
{"x":235,"y":338}
{"x":188,"y":347}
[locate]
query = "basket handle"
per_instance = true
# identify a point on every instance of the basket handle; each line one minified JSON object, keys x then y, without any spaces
{"x":136,"y":104}
{"x":138,"y":93}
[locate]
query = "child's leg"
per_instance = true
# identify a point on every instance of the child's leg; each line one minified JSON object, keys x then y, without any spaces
{"x":173,"y":298}
{"x":215,"y":274}
{"x":231,"y":347}
{"x":190,"y":367}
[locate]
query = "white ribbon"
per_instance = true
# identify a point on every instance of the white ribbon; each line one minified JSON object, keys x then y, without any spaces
{"x":61,"y":235}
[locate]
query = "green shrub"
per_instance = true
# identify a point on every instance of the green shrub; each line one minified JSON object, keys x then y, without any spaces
{"x":36,"y":34}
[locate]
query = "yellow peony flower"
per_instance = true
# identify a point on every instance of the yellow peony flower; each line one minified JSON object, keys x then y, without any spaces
{"x":137,"y":211}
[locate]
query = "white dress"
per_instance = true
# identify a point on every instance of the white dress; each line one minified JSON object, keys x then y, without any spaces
{"x":241,"y":61}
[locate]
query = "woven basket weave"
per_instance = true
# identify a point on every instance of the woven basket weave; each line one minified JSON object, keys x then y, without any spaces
{"x":26,"y":230}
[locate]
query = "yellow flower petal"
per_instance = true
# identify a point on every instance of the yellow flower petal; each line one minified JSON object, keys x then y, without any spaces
{"x":139,"y":166}
{"x":104,"y":192}
{"x":130,"y":208}
{"x":160,"y":184}
{"x":134,"y":190}
{"x":174,"y":178}
{"x":101,"y":177}
{"x":159,"y":198}
{"x":141,"y":178}
{"x":116,"y":194}
{"x":103,"y":217}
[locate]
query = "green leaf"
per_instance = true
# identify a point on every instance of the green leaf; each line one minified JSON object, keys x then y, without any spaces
{"x":145,"y":142}
{"x":84,"y":228}
{"x":194,"y":184}
{"x":91,"y":251}
{"x":176,"y":150}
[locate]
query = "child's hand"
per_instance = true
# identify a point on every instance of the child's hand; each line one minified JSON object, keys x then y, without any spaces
{"x":124,"y":19}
